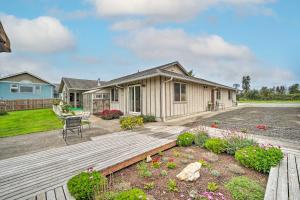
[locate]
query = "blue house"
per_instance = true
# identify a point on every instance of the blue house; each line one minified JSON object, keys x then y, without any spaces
{"x":25,"y":85}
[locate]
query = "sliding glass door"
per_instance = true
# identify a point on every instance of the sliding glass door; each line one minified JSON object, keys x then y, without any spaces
{"x":135,"y":99}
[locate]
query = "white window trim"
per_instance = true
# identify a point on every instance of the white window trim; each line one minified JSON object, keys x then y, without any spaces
{"x":131,"y":112}
{"x":180,"y":101}
{"x":115,"y":89}
{"x":35,"y":92}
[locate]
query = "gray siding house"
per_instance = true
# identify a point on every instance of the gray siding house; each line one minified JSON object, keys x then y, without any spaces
{"x":167,"y":92}
{"x":71,"y":89}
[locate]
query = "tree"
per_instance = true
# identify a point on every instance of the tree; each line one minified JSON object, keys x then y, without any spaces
{"x":191,"y":73}
{"x":294,"y":89}
{"x":246,"y":83}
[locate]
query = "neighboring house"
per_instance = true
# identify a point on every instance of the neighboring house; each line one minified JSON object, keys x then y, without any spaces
{"x":166,"y":92}
{"x":25,"y":85}
{"x":71,"y":89}
{"x":56,"y":93}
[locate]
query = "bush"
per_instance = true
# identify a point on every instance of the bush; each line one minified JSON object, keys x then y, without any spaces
{"x":212,"y":186}
{"x":242,"y":188}
{"x":185,"y":139}
{"x":2,"y":112}
{"x":133,"y":194}
{"x":148,"y":118}
{"x":84,"y":185}
{"x":258,"y":158}
{"x":171,"y":165}
{"x":216,"y":145}
{"x":110,"y":114}
{"x":235,"y":143}
{"x":143,"y":170}
{"x":130,"y":122}
{"x":172,"y":185}
{"x":66,"y":108}
{"x":200,"y":138}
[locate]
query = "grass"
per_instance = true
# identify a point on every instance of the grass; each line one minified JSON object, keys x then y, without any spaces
{"x":28,"y":121}
{"x":269,"y":101}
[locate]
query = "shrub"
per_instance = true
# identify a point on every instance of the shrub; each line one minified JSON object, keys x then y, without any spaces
{"x":110,"y":114}
{"x":185,"y":139}
{"x":212,"y":186}
{"x":258,"y":158}
{"x":66,"y":108}
{"x":216,"y":145}
{"x":130,"y":122}
{"x":2,"y":112}
{"x":143,"y":170}
{"x":244,"y":188}
{"x":133,"y":194}
{"x":56,"y":102}
{"x":84,"y":185}
{"x":149,"y":186}
{"x":171,"y":165}
{"x":172,"y":185}
{"x":200,"y":138}
{"x":148,"y":118}
{"x":237,"y":142}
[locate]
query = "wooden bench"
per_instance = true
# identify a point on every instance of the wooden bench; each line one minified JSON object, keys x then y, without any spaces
{"x":283,"y":182}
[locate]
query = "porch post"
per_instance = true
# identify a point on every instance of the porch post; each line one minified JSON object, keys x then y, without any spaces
{"x":163,"y":100}
{"x":75,"y":100}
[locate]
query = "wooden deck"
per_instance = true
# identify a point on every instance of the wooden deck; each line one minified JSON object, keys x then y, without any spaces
{"x":284,"y":182}
{"x":43,"y":175}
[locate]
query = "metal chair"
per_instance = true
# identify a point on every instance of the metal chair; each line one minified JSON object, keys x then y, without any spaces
{"x":71,"y":124}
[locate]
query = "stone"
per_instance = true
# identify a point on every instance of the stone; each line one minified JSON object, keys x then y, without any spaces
{"x":150,"y":197}
{"x":236,"y":169}
{"x":210,"y":157}
{"x":193,"y":194}
{"x":190,"y":172}
{"x":148,"y":159}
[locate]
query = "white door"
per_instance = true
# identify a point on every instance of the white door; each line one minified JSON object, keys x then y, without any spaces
{"x":135,"y":99}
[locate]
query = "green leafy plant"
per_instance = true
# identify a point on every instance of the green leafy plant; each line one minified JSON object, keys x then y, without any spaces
{"x":143,"y":170}
{"x":242,"y":188}
{"x":259,"y":158}
{"x":149,"y":186}
{"x":84,"y":185}
{"x":130,"y":122}
{"x":212,"y":186}
{"x":133,"y":194}
{"x":148,"y":118}
{"x":66,"y":108}
{"x":215,"y":173}
{"x":216,"y":145}
{"x":171,"y":165}
{"x":56,"y":102}
{"x":163,"y":173}
{"x":200,"y":138}
{"x":203,"y":163}
{"x":156,"y":165}
{"x":185,"y":139}
{"x":176,"y":153}
{"x":237,"y":142}
{"x":172,"y":185}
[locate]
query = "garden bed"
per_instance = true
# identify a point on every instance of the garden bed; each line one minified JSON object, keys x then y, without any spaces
{"x":182,"y":156}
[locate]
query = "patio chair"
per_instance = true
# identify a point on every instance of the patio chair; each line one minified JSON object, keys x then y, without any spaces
{"x":72,"y":124}
{"x":85,"y":118}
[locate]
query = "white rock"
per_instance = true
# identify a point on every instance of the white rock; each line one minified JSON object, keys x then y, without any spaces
{"x":148,"y":159}
{"x":190,"y":172}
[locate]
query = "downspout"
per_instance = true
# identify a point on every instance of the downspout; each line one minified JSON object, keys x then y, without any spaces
{"x":164,"y":102}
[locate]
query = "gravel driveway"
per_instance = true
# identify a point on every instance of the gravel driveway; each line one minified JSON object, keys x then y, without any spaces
{"x":282,"y":122}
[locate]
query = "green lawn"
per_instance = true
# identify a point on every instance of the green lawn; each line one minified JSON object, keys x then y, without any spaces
{"x":269,"y":101}
{"x":28,"y":121}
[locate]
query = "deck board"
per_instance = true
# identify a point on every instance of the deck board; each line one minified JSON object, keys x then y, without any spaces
{"x":43,"y":175}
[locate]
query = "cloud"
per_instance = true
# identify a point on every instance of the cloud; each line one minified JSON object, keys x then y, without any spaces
{"x":165,"y":10}
{"x":70,"y":15}
{"x":209,"y":55}
{"x":39,"y":35}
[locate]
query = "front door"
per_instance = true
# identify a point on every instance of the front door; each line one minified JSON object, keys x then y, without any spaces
{"x":135,"y":99}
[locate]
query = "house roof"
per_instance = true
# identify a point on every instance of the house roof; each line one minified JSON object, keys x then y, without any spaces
{"x":79,"y":84}
{"x":25,"y":72}
{"x":160,"y":71}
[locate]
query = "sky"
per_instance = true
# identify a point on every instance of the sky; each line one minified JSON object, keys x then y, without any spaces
{"x":220,"y":40}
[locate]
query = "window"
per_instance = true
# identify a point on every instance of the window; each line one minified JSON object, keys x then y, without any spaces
{"x":25,"y":88}
{"x":38,"y":89}
{"x":102,"y":96}
{"x":14,"y":88}
{"x":179,"y":92}
{"x":218,"y":94}
{"x":114,"y":94}
{"x":229,"y":95}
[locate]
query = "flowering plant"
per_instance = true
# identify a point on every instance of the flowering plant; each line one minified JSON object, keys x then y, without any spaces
{"x":110,"y":114}
{"x":212,"y":196}
{"x":261,"y":127}
{"x":156,"y":162}
{"x":214,"y":125}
